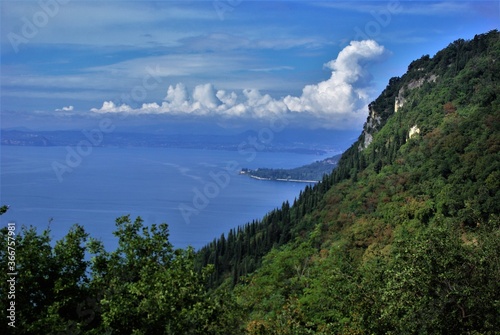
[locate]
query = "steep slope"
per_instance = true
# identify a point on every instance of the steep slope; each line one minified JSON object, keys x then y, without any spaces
{"x":403,"y":236}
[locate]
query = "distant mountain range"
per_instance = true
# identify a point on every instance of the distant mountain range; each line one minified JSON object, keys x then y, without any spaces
{"x":235,"y":142}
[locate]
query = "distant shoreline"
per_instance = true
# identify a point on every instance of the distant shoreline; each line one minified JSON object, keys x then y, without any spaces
{"x":286,"y":180}
{"x":310,"y":173}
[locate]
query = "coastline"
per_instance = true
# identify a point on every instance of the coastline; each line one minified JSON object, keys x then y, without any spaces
{"x":284,"y":180}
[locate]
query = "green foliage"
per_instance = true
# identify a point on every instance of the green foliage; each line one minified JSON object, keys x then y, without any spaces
{"x":443,"y":280}
{"x":143,"y":287}
{"x":4,"y":209}
{"x":149,"y":288}
{"x":51,"y":281}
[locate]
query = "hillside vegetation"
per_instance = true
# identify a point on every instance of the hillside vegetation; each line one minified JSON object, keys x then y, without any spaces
{"x":403,"y":237}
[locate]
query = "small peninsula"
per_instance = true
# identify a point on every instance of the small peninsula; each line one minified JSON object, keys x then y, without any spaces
{"x":310,"y":173}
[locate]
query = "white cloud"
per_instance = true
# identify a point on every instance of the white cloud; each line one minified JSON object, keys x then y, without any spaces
{"x":338,"y":102}
{"x":205,"y":97}
{"x":346,"y":90}
{"x":110,"y":107}
{"x":228,"y":99}
{"x":65,"y":109}
{"x":177,"y":97}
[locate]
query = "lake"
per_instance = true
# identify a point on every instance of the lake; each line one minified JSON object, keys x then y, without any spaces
{"x":199,"y":193}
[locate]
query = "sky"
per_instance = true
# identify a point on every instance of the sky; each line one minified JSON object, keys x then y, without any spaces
{"x":233,"y":64}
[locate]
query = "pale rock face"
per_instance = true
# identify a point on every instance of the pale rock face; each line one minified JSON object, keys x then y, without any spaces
{"x":370,"y":127}
{"x":398,"y":103}
{"x":368,"y":140}
{"x":413,"y":131}
{"x":400,"y":100}
{"x":374,"y":119}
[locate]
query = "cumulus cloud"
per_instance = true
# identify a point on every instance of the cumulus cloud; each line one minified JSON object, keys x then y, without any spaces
{"x":336,"y":102}
{"x":177,"y":98}
{"x":110,"y":107}
{"x":346,"y":90}
{"x":205,"y":98}
{"x":65,"y":109}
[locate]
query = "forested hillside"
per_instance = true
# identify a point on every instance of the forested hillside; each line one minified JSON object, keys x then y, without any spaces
{"x":403,"y":237}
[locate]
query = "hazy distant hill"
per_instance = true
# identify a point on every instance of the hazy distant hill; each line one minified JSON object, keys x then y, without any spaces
{"x":288,"y":140}
{"x":310,"y":172}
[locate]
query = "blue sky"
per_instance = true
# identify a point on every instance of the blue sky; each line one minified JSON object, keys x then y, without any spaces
{"x":67,"y":64}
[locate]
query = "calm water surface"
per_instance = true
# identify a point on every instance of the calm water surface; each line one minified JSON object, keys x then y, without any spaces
{"x":199,"y":193}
